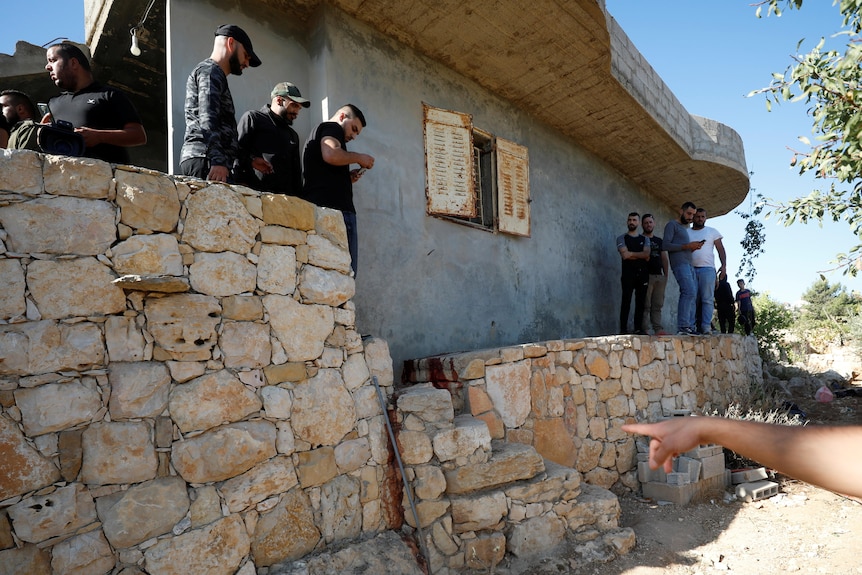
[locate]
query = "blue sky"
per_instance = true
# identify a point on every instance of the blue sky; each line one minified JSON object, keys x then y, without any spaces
{"x":710,"y":54}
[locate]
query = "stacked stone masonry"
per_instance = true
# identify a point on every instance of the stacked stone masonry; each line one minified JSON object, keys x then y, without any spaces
{"x":477,"y":499}
{"x":182,"y":389}
{"x":569,"y":398}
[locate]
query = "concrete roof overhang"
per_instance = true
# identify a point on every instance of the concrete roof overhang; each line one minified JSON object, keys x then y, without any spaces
{"x":570,"y":65}
{"x":566,"y":62}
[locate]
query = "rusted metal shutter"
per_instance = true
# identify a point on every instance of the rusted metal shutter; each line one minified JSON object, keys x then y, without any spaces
{"x":449,"y":163}
{"x":513,"y":188}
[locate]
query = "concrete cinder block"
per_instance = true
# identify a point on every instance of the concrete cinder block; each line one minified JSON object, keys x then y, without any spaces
{"x":678,"y":478}
{"x":712,"y":466}
{"x":756,"y":490}
{"x":702,"y":451}
{"x":690,"y":466}
{"x":747,"y":475}
{"x":645,"y":474}
{"x":684,"y":494}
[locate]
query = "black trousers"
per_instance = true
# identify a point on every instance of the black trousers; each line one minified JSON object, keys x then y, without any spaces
{"x":746,"y":318}
{"x":633,"y":284}
{"x":726,"y":318}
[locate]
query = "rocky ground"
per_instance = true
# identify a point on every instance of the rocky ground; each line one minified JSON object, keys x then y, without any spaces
{"x":802,"y":530}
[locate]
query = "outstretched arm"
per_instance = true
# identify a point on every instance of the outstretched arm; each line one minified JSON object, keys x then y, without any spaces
{"x":828,"y":456}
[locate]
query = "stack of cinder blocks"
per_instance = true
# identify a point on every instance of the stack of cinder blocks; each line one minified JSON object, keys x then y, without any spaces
{"x":696,"y":474}
{"x":752,"y":484}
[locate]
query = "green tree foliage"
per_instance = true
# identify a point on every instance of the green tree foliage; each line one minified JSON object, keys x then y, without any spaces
{"x":829,"y":82}
{"x":827,"y":302}
{"x":826,"y":314}
{"x":854,"y":331}
{"x":773,"y":321}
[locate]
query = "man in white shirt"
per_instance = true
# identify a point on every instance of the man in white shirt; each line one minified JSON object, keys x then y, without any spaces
{"x":703,"y":261}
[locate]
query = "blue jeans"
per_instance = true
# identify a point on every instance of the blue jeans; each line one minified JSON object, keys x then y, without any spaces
{"x":684,"y":275}
{"x":705,"y":296}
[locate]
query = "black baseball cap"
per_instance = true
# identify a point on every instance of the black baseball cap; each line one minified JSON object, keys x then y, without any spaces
{"x":238,"y":34}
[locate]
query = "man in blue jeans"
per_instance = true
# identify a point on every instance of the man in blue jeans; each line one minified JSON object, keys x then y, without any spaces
{"x":678,"y":245}
{"x":703,"y":261}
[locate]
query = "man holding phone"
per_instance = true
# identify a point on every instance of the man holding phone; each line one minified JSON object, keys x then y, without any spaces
{"x":703,"y":261}
{"x":326,"y":165}
{"x":679,"y":246}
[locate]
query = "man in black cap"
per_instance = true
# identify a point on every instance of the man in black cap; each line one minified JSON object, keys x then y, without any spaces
{"x":210,"y":143}
{"x":269,"y":146}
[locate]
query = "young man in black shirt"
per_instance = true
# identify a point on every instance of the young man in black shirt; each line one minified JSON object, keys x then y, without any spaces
{"x":634,"y":250}
{"x":103,"y":115}
{"x":328,"y":177}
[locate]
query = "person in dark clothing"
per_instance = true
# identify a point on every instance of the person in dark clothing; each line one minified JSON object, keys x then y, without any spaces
{"x":19,"y":111}
{"x":724,"y":304}
{"x":103,"y":115}
{"x":634,"y":250}
{"x":658,"y":273}
{"x":211,"y":141}
{"x":5,"y":128}
{"x":328,"y":177}
{"x":745,"y":307}
{"x":269,"y":146}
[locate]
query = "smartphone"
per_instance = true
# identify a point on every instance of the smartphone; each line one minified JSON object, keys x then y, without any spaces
{"x":361,"y":171}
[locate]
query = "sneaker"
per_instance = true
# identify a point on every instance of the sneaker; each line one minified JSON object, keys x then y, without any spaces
{"x":685,"y":331}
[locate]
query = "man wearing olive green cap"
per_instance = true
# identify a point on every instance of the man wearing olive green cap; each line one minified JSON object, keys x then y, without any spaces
{"x":269,"y":147}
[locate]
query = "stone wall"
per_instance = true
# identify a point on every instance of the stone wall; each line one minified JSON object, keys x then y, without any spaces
{"x":570,"y":398}
{"x":182,"y":389}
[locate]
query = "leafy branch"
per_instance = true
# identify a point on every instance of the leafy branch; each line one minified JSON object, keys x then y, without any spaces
{"x":829,"y":82}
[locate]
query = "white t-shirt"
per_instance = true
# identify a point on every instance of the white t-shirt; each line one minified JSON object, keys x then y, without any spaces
{"x":705,"y":256}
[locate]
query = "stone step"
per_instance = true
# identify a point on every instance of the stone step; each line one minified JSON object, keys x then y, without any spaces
{"x":508,"y":462}
{"x":468,"y":442}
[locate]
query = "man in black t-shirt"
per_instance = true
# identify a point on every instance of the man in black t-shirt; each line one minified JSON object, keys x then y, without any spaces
{"x":326,"y":167}
{"x":634,"y":250}
{"x":103,"y":115}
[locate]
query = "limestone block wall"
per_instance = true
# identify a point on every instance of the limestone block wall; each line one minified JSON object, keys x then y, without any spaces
{"x":570,"y":398}
{"x":182,"y":389}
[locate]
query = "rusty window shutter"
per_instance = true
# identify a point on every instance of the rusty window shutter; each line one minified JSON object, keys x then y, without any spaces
{"x":449,"y":163}
{"x":513,"y":188}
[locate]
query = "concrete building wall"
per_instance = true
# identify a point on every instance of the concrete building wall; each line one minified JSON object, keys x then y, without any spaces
{"x":425,"y":284}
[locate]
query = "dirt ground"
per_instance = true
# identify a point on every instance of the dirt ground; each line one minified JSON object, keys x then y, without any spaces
{"x":803,"y":529}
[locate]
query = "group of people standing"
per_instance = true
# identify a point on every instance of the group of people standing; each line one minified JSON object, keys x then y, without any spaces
{"x":102,"y":116}
{"x":688,"y":248}
{"x":263,"y":151}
